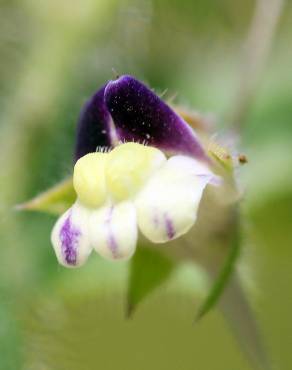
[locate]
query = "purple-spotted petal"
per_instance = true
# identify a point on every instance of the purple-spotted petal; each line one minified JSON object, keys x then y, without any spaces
{"x":140,"y":115}
{"x":70,"y":237}
{"x":113,"y":231}
{"x":94,"y":128}
{"x":168,"y":204}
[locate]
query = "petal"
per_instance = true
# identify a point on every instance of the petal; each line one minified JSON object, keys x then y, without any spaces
{"x":70,"y":237}
{"x":140,"y":115}
{"x":94,"y":128}
{"x":113,"y":231}
{"x":167,"y":206}
{"x":188,"y":166}
{"x":89,"y":179}
{"x":129,"y":166}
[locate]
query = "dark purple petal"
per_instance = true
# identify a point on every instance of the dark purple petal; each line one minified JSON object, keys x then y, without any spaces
{"x":140,"y":115}
{"x":94,"y":126}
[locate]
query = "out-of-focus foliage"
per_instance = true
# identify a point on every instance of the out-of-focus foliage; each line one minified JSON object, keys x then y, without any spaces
{"x":54,"y":55}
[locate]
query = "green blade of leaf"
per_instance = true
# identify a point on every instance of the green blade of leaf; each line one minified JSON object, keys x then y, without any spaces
{"x":239,"y":315}
{"x":55,"y":200}
{"x":224,"y":275}
{"x":148,"y":270}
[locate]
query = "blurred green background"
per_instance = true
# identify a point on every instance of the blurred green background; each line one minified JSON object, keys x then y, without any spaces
{"x":53,"y":56}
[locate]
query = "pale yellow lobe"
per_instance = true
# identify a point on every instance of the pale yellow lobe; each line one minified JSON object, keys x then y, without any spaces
{"x":129,"y":166}
{"x":89,"y":179}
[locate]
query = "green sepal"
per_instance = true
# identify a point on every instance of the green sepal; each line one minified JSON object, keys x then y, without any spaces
{"x":56,"y":200}
{"x":225,"y":274}
{"x":148,"y":269}
{"x":221,"y":156}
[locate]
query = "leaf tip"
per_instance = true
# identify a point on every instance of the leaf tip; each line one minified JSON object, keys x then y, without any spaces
{"x":129,"y":312}
{"x":197,"y":318}
{"x":26,"y":206}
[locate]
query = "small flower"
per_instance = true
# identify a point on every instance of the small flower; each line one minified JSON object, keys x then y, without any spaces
{"x":152,"y":180}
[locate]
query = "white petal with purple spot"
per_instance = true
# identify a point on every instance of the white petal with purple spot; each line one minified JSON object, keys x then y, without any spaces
{"x":70,"y":237}
{"x":113,"y":230}
{"x":168,"y":204}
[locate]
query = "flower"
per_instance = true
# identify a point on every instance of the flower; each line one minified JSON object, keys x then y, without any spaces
{"x":138,"y":165}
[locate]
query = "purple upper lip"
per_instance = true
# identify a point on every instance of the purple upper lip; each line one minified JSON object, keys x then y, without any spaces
{"x":137,"y":114}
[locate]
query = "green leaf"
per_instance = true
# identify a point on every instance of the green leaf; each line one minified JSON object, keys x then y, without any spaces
{"x":148,"y":270}
{"x":55,"y":200}
{"x":240,"y":317}
{"x":224,"y":275}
